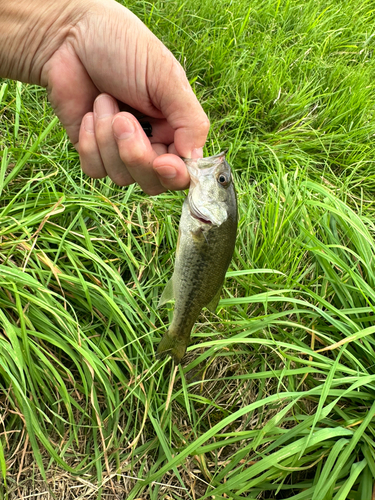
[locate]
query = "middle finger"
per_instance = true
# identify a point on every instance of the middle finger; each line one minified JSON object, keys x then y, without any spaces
{"x":137,"y":153}
{"x":105,"y":107}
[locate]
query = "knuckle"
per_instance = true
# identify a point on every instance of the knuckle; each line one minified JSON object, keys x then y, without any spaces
{"x":204,"y":125}
{"x":153,"y":190}
{"x":177,"y":69}
{"x":87,"y":149}
{"x":133,"y":158}
{"x":96,"y":175}
{"x":102,"y":131}
{"x":122,"y":179}
{"x":93,"y":171}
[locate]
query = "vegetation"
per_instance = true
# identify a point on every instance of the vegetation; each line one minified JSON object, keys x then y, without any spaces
{"x":276,"y":396}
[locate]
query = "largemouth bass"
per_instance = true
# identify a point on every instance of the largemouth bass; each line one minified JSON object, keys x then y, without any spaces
{"x":206,"y":240}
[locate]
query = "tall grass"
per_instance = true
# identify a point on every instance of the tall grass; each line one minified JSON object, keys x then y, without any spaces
{"x":275,"y":398}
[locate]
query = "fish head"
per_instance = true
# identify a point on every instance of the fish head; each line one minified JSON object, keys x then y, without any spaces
{"x":211,"y":193}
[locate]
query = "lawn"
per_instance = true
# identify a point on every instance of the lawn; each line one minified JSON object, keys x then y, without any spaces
{"x":275,"y":398}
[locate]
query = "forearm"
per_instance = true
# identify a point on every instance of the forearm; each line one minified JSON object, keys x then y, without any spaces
{"x":30,"y":32}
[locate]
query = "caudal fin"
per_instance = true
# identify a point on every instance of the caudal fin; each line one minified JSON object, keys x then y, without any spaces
{"x":172,"y":346}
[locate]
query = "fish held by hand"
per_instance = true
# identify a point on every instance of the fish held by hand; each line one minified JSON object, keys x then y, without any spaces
{"x":206,"y":241}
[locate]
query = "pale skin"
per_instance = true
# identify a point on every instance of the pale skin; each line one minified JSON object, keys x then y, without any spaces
{"x":90,"y":55}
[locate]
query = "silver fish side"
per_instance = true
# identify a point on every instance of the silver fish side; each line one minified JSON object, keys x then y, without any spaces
{"x":207,"y":236}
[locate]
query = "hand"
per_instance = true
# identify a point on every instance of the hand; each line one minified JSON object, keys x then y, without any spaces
{"x":97,"y":54}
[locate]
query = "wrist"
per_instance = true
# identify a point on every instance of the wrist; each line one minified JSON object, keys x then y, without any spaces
{"x":30,"y":32}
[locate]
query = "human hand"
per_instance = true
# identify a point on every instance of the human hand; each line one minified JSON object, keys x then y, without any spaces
{"x":96,"y":53}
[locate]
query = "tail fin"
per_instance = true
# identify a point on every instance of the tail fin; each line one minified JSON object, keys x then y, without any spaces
{"x":172,"y":346}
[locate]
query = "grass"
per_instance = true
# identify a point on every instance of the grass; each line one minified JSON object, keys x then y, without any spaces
{"x":275,"y":398}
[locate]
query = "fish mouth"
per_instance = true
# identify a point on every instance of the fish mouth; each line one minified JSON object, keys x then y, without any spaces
{"x":196,"y":213}
{"x":201,"y":218}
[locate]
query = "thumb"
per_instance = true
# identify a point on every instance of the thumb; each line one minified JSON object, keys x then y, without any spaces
{"x":180,"y":107}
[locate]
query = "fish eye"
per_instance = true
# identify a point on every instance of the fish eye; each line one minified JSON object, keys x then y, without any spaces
{"x":223,"y":179}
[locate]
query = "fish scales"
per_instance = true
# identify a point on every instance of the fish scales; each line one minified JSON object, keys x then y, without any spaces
{"x":207,"y":234}
{"x":199,"y":264}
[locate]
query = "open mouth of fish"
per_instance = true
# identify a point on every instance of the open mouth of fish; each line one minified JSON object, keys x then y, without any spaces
{"x":197,"y":214}
{"x":200,"y":217}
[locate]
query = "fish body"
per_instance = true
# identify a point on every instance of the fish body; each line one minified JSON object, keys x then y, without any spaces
{"x":206,"y":240}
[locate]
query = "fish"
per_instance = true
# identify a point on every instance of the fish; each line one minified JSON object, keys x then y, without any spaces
{"x":205,"y":246}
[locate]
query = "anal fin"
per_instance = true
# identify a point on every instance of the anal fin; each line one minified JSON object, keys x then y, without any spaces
{"x":168,"y":293}
{"x":212,"y":305}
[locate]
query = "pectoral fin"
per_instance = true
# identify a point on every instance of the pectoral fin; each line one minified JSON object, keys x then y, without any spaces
{"x":168,"y":293}
{"x":198,"y":235}
{"x":212,"y":305}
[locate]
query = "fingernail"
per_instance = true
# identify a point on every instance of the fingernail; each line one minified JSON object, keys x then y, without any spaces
{"x":104,"y":106}
{"x":122,"y":127}
{"x":88,"y":123}
{"x":197,"y":153}
{"x":166,"y":172}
